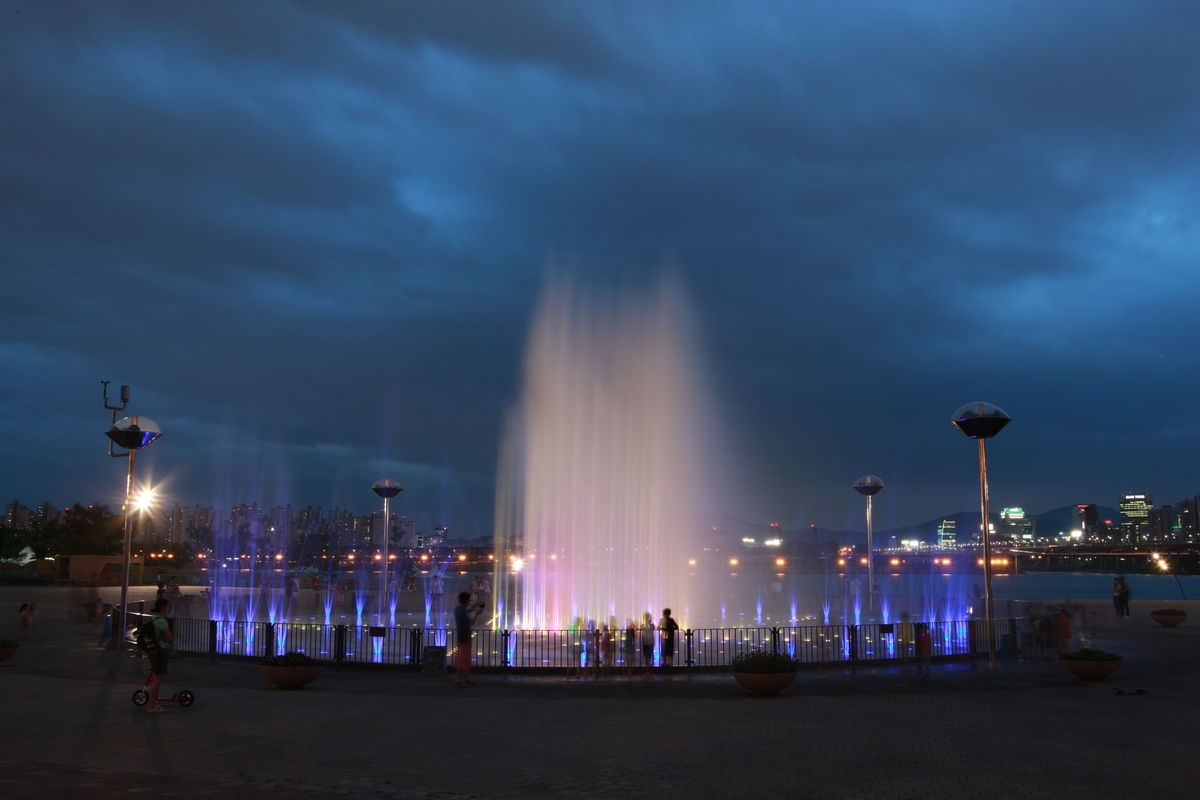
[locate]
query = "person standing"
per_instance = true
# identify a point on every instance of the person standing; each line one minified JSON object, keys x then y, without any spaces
{"x":162,"y":652}
{"x":1116,"y":596}
{"x":1125,"y":598}
{"x":647,"y":634}
{"x":437,"y":595}
{"x":667,"y":628}
{"x":608,"y":648}
{"x":476,"y":591}
{"x":174,"y":593}
{"x":576,"y":635}
{"x":462,"y":640}
{"x":485,"y":596}
{"x":631,"y":646}
{"x":1064,"y":630}
{"x":23,"y":622}
{"x":925,"y":650}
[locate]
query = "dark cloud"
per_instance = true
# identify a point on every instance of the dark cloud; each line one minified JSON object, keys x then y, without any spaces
{"x":311,"y":236}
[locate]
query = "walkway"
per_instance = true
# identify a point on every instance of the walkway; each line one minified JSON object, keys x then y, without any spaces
{"x":1025,"y":730}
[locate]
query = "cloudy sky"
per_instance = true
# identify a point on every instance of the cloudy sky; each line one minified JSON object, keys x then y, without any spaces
{"x":312,"y":237}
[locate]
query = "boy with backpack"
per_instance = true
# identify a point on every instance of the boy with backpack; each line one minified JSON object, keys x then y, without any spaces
{"x":154,"y":639}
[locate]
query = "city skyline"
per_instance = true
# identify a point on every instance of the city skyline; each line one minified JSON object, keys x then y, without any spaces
{"x":1135,"y":518}
{"x":316,"y":265}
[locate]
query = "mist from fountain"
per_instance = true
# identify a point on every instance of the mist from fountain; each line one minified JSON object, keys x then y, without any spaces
{"x":601,"y":468}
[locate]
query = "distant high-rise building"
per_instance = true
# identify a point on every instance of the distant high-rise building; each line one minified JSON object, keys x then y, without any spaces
{"x":947,"y":536}
{"x":440,"y":534}
{"x":178,"y":523}
{"x":47,"y":515}
{"x":1015,"y":524}
{"x":408,"y":533}
{"x":1186,"y":513}
{"x":1085,"y":517}
{"x":279,"y":527}
{"x":204,"y":521}
{"x":16,"y":516}
{"x":1161,"y":524}
{"x":1135,"y":516}
{"x":1111,"y":530}
{"x":310,"y":524}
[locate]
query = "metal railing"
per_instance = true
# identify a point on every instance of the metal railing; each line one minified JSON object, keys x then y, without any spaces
{"x":585,"y":649}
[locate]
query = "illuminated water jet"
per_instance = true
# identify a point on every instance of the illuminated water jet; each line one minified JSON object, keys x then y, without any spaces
{"x":600,"y":475}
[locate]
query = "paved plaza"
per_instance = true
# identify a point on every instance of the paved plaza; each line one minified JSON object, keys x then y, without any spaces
{"x":1026,"y":729}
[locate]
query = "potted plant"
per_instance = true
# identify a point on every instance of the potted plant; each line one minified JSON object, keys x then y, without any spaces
{"x":7,"y":648}
{"x":764,"y":673}
{"x":291,"y":670}
{"x":1090,"y":665}
{"x":1168,"y":617}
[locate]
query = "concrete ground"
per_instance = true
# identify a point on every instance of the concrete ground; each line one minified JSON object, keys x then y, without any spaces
{"x":1025,"y":729}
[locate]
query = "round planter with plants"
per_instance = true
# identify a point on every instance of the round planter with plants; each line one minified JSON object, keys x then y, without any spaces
{"x":1168,"y":617}
{"x":1090,"y":665}
{"x":290,"y":671}
{"x":764,"y":673}
{"x":8,"y":649}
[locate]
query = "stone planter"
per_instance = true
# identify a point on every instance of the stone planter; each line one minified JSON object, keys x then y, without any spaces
{"x":7,"y":652}
{"x":290,"y":677}
{"x":765,"y":684}
{"x":1167,"y":620}
{"x":1090,"y":670}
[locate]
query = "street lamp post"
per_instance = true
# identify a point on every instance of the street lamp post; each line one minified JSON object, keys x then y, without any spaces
{"x":982,"y":421}
{"x":868,"y":486}
{"x":387,"y":489}
{"x":132,"y":434}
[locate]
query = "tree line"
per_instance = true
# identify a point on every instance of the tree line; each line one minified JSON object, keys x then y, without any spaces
{"x":81,"y":530}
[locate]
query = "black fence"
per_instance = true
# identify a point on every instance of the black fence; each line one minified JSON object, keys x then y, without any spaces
{"x":587,"y":649}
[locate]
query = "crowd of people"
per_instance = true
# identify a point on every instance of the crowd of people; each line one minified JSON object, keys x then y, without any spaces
{"x":595,"y":646}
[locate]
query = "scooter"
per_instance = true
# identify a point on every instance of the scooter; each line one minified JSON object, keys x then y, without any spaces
{"x":142,"y":695}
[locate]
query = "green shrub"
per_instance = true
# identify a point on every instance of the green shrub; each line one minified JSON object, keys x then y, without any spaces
{"x":762,"y":661}
{"x":1088,"y":654}
{"x":8,"y":643}
{"x":290,"y":660}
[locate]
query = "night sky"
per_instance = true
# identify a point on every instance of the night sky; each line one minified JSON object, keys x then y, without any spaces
{"x":312,"y":236}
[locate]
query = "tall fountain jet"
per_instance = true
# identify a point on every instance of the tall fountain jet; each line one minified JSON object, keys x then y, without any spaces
{"x":602,"y":462}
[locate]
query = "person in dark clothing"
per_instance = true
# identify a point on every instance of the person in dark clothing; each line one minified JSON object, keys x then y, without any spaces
{"x":925,"y":650}
{"x":462,"y":640}
{"x":667,"y":628}
{"x":163,"y":642}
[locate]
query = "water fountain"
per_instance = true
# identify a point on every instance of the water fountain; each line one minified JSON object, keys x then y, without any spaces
{"x":600,"y":474}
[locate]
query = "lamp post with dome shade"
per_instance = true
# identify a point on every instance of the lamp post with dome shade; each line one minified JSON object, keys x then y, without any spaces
{"x":982,"y":421}
{"x":868,"y":486}
{"x":387,"y":489}
{"x":132,"y":434}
